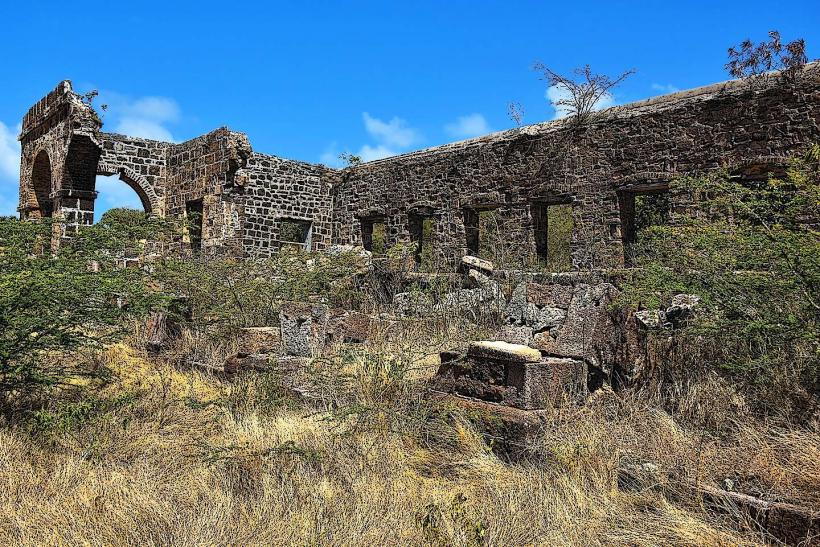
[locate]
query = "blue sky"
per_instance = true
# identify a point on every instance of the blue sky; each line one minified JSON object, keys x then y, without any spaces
{"x":308,"y":80}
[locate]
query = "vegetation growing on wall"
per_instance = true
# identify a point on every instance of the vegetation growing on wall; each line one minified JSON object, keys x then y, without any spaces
{"x":751,"y":251}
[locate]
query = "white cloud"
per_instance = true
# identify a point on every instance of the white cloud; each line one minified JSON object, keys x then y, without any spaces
{"x":146,"y":117}
{"x":330,"y":156}
{"x":394,"y":133}
{"x":370,"y":153}
{"x":9,"y":169}
{"x":472,"y":125}
{"x":9,"y":152}
{"x":147,"y":129}
{"x":665,"y":88}
{"x":392,"y":138}
{"x":555,"y":94}
{"x":159,"y":109}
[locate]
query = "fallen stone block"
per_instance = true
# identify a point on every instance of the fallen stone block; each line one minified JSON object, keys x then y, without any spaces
{"x":538,"y":306}
{"x":513,"y":375}
{"x":243,"y":362}
{"x":651,"y":319}
{"x":551,"y":296}
{"x":515,"y":334}
{"x":478,"y":263}
{"x":259,"y":340}
{"x":589,"y":332}
{"x":790,"y":524}
{"x":498,"y":350}
{"x":412,"y":303}
{"x":304,"y":328}
{"x":352,"y":326}
{"x":681,"y":308}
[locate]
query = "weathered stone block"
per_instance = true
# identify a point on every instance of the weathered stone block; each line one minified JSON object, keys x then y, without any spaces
{"x":304,"y":328}
{"x":513,"y":375}
{"x":352,"y":326}
{"x":259,"y":340}
{"x":589,"y":331}
{"x":552,"y":296}
{"x":515,"y":334}
{"x":553,"y":381}
{"x":478,"y":263}
{"x":504,"y":351}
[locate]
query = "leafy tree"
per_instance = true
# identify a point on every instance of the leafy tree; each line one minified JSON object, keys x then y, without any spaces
{"x":349,"y":159}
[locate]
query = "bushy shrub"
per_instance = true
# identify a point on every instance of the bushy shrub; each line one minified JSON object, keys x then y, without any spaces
{"x":751,"y":251}
{"x":54,"y":302}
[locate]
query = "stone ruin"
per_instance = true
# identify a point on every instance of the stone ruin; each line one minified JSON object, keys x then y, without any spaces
{"x":247,"y":204}
{"x":558,"y":338}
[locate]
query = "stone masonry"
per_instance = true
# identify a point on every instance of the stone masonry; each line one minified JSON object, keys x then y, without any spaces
{"x":242,"y":203}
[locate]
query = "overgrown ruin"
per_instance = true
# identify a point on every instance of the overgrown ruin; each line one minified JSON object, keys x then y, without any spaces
{"x":504,"y":303}
{"x":247,"y":204}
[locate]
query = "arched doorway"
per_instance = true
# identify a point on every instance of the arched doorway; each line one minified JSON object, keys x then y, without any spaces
{"x":117,"y":191}
{"x":40,"y":203}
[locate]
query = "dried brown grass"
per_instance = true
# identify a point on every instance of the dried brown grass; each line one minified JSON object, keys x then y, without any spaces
{"x":197,"y":462}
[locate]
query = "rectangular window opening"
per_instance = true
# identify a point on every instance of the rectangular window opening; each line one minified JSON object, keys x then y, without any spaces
{"x":374,"y":235}
{"x":553,"y":226}
{"x":471,"y":231}
{"x":483,"y":233}
{"x":640,"y":210}
{"x":193,"y":214}
{"x":422,"y":228}
{"x":294,"y":233}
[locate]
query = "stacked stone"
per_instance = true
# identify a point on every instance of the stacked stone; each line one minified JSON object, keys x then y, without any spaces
{"x":512,"y":375}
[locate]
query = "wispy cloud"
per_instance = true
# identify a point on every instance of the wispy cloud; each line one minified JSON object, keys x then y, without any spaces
{"x":665,"y":88}
{"x":555,"y":94}
{"x":146,"y":117}
{"x":370,"y":153}
{"x":330,"y":156}
{"x":465,"y":127}
{"x":391,"y":138}
{"x":9,"y":169}
{"x":395,"y":133}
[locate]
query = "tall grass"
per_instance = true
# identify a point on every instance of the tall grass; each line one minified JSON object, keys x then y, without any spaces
{"x":187,"y":459}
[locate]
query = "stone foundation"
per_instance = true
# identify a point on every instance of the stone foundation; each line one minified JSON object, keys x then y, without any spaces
{"x":512,"y":375}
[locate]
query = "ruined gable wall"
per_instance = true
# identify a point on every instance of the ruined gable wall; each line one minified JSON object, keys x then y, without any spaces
{"x":49,"y":129}
{"x":647,"y":142}
{"x":277,"y":189}
{"x":208,"y":168}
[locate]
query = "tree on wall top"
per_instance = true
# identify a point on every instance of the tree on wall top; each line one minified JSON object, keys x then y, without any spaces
{"x":583,"y":91}
{"x":748,"y":59}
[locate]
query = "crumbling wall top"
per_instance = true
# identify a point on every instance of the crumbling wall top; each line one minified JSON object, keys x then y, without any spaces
{"x":58,"y":105}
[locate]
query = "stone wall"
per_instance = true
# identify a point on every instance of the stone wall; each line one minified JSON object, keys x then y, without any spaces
{"x":248,"y":202}
{"x":140,"y":163}
{"x":597,"y":168}
{"x":278,"y":190}
{"x":204,"y":174}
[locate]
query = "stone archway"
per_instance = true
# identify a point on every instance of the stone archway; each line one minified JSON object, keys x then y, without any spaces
{"x":151,"y":203}
{"x":40,"y":203}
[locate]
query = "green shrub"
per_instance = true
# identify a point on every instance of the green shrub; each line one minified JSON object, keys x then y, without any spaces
{"x":54,"y":303}
{"x":751,"y":251}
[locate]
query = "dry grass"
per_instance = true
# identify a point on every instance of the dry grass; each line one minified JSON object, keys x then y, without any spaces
{"x":189,"y":460}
